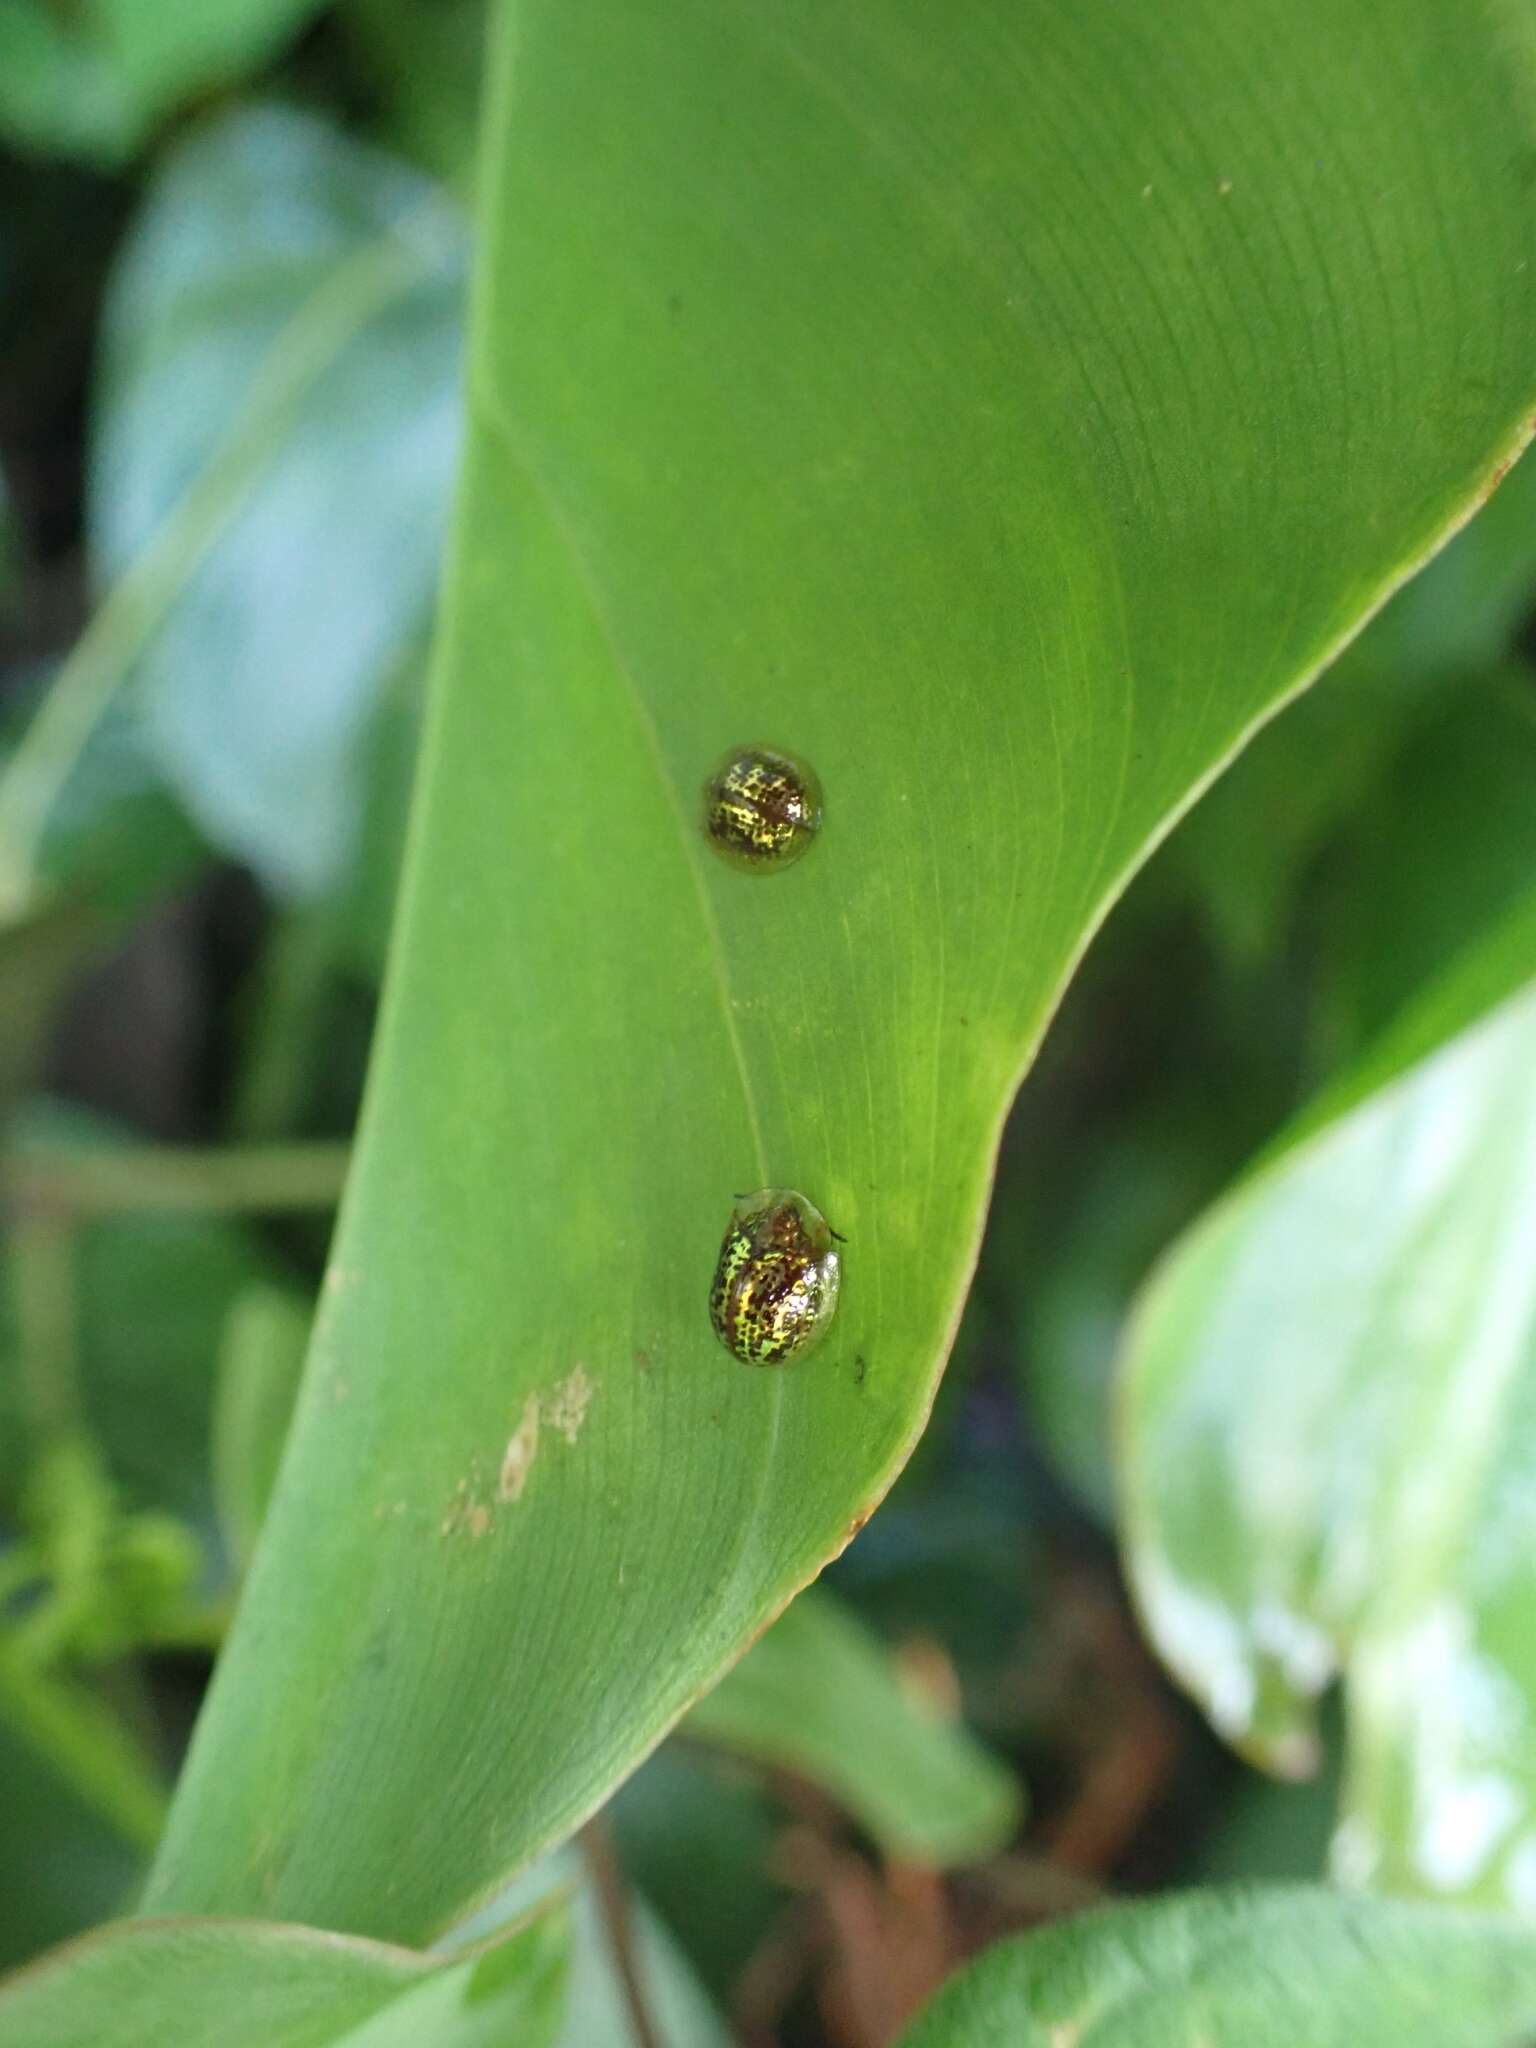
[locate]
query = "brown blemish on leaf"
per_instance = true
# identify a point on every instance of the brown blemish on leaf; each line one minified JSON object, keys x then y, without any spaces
{"x":466,"y":1515}
{"x":1500,"y":471}
{"x":564,"y":1410}
{"x":565,"y":1406}
{"x":517,"y":1459}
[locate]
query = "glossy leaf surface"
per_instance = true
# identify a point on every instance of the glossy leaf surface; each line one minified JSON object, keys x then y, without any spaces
{"x":277,"y":426}
{"x":1330,"y":1394}
{"x":1246,"y":1969}
{"x":1003,"y":410}
{"x":222,"y":1984}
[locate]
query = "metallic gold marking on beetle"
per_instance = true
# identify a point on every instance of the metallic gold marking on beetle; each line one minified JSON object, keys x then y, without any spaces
{"x":762,"y":808}
{"x":776,"y":1282}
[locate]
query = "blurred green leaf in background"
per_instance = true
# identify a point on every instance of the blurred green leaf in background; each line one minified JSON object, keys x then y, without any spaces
{"x":265,"y":527}
{"x":288,"y":1987}
{"x":1282,"y":1967}
{"x":94,"y":79}
{"x":1328,"y":1450}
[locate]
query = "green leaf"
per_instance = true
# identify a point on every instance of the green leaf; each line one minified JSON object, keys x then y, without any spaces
{"x":696,"y":1830}
{"x":115,"y":837}
{"x":58,"y":89}
{"x":1005,"y":409}
{"x":69,"y":1731}
{"x":110,"y":1325}
{"x":148,"y":1295}
{"x":243,"y":1984}
{"x":598,"y":2006}
{"x":162,"y":51}
{"x":277,"y":423}
{"x":1443,"y":847}
{"x":1274,"y":1829}
{"x":819,"y":1695}
{"x":62,"y":1865}
{"x":425,"y":58}
{"x":1329,"y":1400}
{"x":93,"y":80}
{"x":1247,"y":842}
{"x":40,"y":954}
{"x":1084,"y":1207}
{"x":280,"y":276}
{"x":596,"y":2013}
{"x":1438,"y":840}
{"x":1241,"y":1969}
{"x":261,"y":1358}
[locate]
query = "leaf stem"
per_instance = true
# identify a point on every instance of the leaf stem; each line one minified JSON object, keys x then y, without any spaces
{"x":239,"y":1178}
{"x":287,"y":1012}
{"x":88,"y":679}
{"x":42,"y":1260}
{"x":86,"y":1745}
{"x":613,"y":1906}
